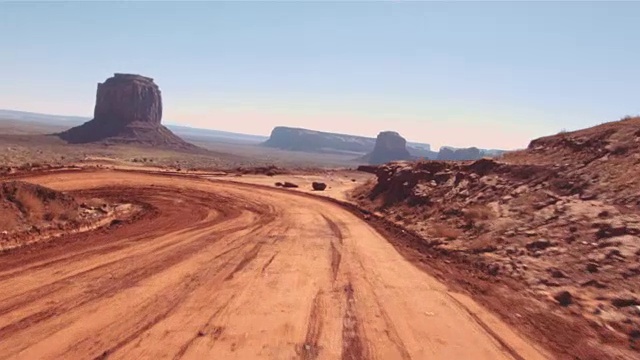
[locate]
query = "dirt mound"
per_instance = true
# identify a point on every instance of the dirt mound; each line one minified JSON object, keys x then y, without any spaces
{"x":561,"y":217}
{"x":23,"y":205}
{"x":128,"y":110}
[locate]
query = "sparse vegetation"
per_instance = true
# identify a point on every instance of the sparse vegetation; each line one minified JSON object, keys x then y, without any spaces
{"x":478,"y":212}
{"x":29,"y":205}
{"x":445,"y":231}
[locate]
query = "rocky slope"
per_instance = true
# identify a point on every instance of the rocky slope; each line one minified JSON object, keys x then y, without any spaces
{"x":128,"y":110}
{"x":559,"y":220}
{"x":390,"y":146}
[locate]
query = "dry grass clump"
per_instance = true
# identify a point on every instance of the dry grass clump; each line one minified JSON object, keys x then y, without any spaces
{"x":30,"y":205}
{"x":445,"y":231}
{"x":478,"y":212}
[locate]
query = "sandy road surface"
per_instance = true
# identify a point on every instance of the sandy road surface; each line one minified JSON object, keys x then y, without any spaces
{"x":218,"y":270}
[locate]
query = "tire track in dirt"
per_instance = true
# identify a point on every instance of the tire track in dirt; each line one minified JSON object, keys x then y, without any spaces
{"x":104,"y":287}
{"x":249,"y":257}
{"x":310,"y":348}
{"x":336,"y":253}
{"x":353,"y":347}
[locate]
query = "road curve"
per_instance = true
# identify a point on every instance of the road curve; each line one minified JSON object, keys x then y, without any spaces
{"x":231,"y":271}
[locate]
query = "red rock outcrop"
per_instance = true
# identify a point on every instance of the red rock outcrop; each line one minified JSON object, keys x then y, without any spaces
{"x":128,"y":110}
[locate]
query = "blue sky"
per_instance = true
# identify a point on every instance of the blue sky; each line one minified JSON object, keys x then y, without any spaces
{"x":489,"y":74}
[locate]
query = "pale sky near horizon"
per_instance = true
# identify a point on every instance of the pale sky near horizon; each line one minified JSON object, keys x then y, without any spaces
{"x":486,"y":74}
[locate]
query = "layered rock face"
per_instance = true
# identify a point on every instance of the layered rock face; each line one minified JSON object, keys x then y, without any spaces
{"x":127,"y":98}
{"x":317,"y":141}
{"x":389,"y":146}
{"x":128,"y":110}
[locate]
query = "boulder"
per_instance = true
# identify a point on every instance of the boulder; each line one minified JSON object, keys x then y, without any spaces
{"x":564,"y":298}
{"x":318,"y":186}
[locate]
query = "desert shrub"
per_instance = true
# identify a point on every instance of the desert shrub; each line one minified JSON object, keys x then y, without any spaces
{"x":57,"y":211}
{"x":478,"y":212}
{"x":629,"y":117}
{"x":29,"y":204}
{"x":445,"y":231}
{"x":68,"y":215}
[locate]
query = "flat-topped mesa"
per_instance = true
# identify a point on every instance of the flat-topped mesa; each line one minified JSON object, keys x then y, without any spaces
{"x":127,"y":98}
{"x":124,"y":76}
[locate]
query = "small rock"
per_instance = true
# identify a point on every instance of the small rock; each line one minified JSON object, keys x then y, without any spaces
{"x":557,"y":273}
{"x":549,"y":282}
{"x":279,"y":184}
{"x":564,"y":298}
{"x":493,"y":269}
{"x":614,"y":253}
{"x":539,"y":244}
{"x":592,"y":267}
{"x":287,"y":184}
{"x":597,"y":311}
{"x":594,"y":283}
{"x":624,"y":301}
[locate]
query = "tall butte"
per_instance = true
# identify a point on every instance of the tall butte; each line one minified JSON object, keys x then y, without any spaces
{"x":128,"y":110}
{"x":390,"y":146}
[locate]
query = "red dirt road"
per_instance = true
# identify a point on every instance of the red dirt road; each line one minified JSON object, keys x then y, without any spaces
{"x":231,"y":271}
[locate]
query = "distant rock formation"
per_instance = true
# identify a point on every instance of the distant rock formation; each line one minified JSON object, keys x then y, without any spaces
{"x":389,"y":146}
{"x":298,"y":139}
{"x":472,"y":153}
{"x":128,"y":110}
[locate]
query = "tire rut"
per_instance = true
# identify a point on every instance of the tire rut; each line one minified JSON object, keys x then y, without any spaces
{"x":310,"y":349}
{"x":353,"y":347}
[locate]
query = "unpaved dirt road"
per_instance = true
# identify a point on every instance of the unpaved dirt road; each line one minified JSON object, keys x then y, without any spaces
{"x":218,"y":270}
